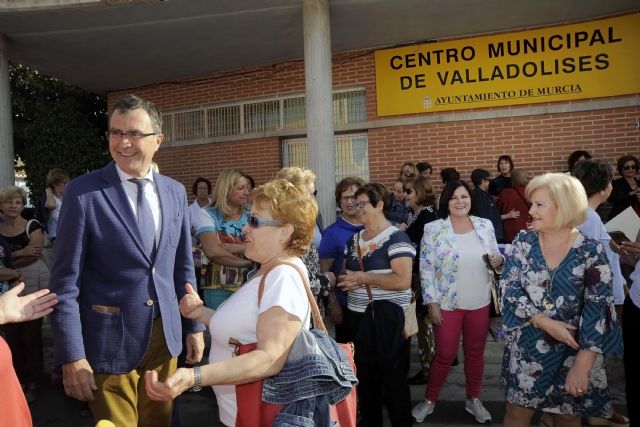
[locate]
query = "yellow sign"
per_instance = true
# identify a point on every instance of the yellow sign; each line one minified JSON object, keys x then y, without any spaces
{"x":587,"y":60}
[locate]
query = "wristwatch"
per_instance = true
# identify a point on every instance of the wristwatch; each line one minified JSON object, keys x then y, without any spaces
{"x":197,"y":376}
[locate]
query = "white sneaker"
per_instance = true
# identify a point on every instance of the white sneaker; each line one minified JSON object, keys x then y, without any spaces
{"x":422,"y":410}
{"x":475,"y":408}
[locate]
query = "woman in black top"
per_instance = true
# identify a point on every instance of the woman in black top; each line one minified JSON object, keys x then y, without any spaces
{"x":420,"y":198}
{"x":505,"y":166}
{"x":25,"y":238}
{"x":626,"y":189}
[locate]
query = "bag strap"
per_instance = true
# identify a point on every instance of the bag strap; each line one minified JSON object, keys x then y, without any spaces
{"x":31,"y":221}
{"x":318,"y":323}
{"x":359,"y":249}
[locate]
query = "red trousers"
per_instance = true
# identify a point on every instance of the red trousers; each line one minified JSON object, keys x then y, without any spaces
{"x":474,"y":326}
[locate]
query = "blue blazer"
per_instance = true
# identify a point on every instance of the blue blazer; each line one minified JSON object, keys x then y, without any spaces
{"x":107,"y":284}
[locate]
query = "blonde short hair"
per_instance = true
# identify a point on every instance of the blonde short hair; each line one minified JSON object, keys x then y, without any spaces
{"x":13,"y":192}
{"x":568,"y":195}
{"x":297,"y":176}
{"x":290,"y":204}
{"x":224,"y":184}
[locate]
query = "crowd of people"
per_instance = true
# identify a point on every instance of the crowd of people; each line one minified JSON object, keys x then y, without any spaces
{"x":136,"y":275}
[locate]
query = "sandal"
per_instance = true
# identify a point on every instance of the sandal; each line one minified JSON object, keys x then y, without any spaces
{"x":616,"y":420}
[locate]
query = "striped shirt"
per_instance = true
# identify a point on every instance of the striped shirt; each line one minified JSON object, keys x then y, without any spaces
{"x":378,"y":253}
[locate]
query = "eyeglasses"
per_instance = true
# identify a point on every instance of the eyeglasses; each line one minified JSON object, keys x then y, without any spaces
{"x":628,"y":167}
{"x":408,"y":190}
{"x":255,"y":222}
{"x":347,"y":198}
{"x":361,"y":204}
{"x":132,"y":135}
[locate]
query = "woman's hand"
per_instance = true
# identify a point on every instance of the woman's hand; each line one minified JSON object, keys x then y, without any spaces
{"x":28,"y":251}
{"x":630,"y":248}
{"x":192,"y":307}
{"x":577,"y":380}
{"x":349,"y":281}
{"x":559,"y":331}
{"x":402,"y":226}
{"x":183,"y":379}
{"x":512,"y":214}
{"x":435,"y":314}
{"x":14,"y":308}
{"x":495,"y":260}
{"x":330,"y":277}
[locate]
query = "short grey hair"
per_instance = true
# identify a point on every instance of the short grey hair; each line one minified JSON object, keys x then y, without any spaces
{"x":132,"y":102}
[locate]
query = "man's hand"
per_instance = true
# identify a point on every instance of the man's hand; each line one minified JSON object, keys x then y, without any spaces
{"x":78,"y":380}
{"x":195,"y":347}
{"x":183,"y":379}
{"x":191,"y":305}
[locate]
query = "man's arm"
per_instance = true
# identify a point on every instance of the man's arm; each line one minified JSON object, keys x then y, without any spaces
{"x":184,"y":273}
{"x":71,"y":245}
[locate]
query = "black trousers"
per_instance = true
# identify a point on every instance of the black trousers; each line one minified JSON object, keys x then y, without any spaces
{"x":377,"y":387}
{"x":25,"y":341}
{"x":631,"y":320}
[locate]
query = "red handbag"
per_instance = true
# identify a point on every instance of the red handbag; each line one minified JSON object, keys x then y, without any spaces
{"x":252,"y":411}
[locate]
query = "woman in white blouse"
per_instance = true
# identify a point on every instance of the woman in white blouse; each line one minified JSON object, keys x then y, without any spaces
{"x":456,"y":287}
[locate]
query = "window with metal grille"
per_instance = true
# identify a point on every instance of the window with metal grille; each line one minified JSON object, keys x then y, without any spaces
{"x":261,"y":116}
{"x":349,"y":106}
{"x":223,"y":121}
{"x":352,"y":155}
{"x":188,"y":125}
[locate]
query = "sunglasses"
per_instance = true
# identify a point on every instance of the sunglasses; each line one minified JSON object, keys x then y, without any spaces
{"x":628,"y":167}
{"x":408,"y":190}
{"x":255,"y":222}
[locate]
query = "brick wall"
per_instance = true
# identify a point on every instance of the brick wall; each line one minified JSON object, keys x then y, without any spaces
{"x":537,"y":143}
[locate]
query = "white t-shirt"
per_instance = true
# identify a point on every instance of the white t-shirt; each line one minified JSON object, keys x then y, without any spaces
{"x":237,"y":317}
{"x":52,"y":222}
{"x":472,"y":277}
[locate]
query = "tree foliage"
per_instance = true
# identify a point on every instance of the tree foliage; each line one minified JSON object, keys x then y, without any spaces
{"x":55,"y":126}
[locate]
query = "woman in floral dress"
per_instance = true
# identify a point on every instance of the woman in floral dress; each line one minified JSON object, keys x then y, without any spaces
{"x":557,"y":311}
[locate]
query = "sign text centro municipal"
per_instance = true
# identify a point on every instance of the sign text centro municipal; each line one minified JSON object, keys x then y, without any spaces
{"x":587,"y":60}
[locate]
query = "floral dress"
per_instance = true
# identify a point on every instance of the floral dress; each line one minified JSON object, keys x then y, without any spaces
{"x":578,"y":291}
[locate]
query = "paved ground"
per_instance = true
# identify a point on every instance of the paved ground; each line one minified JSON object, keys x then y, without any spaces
{"x":54,"y":409}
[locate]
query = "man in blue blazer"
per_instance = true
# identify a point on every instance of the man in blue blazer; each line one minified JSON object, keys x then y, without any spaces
{"x":122,"y":259}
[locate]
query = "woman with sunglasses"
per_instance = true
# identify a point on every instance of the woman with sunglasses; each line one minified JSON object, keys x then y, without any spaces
{"x":280,"y":228}
{"x":456,"y":285}
{"x":626,"y":189}
{"x":420,"y":198}
{"x":378,"y":263}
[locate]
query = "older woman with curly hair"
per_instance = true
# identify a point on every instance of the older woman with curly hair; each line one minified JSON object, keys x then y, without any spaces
{"x":279,"y":229}
{"x":558,"y":311}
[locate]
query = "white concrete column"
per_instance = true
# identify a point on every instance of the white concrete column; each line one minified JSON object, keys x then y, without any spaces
{"x":319,"y":103}
{"x":7,"y":173}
